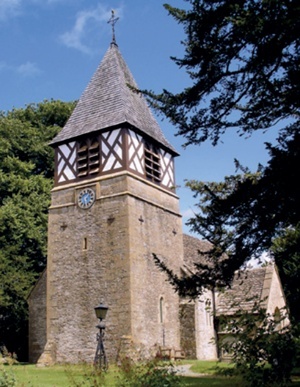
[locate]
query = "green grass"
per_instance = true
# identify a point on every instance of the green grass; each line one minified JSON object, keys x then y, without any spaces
{"x":30,"y":375}
{"x":75,"y":376}
{"x":56,"y":376}
{"x":210,"y":378}
{"x":218,"y":381}
{"x":207,"y":367}
{"x":211,"y":381}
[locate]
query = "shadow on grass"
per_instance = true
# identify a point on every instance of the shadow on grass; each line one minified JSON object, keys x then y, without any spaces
{"x":208,"y":381}
{"x":218,"y":381}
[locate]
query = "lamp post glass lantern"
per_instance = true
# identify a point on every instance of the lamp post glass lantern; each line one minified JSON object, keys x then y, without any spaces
{"x":101,"y":311}
{"x":100,"y":356}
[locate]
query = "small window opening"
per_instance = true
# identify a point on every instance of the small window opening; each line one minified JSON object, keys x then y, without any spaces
{"x":84,"y":245}
{"x":161,"y":310}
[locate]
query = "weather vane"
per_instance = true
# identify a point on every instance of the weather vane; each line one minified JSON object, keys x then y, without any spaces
{"x":113,"y":21}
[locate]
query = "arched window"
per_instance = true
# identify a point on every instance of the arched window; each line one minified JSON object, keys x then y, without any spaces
{"x":208,"y":311}
{"x":277,"y":318}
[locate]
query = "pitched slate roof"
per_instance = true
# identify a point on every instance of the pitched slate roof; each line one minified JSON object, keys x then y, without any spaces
{"x":191,"y":248}
{"x":108,"y":101}
{"x":247,"y":287}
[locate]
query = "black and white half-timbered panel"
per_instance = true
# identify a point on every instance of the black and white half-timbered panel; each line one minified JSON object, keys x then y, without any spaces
{"x":135,"y":152}
{"x":104,"y":153}
{"x":66,"y":162}
{"x":89,"y":157}
{"x":167,"y":169}
{"x":111,"y":150}
{"x":156,"y":164}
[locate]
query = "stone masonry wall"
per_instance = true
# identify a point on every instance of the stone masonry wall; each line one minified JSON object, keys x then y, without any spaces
{"x":205,"y":330}
{"x":187,"y":326}
{"x":37,"y":319}
{"x":104,"y":254}
{"x":154,"y":229}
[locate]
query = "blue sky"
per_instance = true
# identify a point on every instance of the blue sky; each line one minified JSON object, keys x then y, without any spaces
{"x":51,"y":48}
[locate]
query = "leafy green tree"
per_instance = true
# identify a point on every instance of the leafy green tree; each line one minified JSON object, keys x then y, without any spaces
{"x":243,"y":59}
{"x":263,"y":354}
{"x":26,"y":179}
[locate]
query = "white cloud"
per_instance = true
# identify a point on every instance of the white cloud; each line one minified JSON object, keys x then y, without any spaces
{"x":9,"y":8}
{"x":28,"y":69}
{"x":3,"y":66}
{"x":189,"y":213}
{"x":264,"y":259}
{"x":57,"y":1}
{"x":50,"y":2}
{"x":84,"y":20}
{"x":12,"y":8}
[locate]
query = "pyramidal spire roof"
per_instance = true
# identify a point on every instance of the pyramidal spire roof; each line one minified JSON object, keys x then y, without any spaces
{"x":108,"y":101}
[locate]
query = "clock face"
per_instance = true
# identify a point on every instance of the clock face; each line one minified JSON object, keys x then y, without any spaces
{"x":86,"y":198}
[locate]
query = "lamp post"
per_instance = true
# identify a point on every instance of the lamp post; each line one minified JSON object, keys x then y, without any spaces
{"x":100,"y":356}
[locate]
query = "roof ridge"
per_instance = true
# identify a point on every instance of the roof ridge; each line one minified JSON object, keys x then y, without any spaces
{"x":124,"y":85}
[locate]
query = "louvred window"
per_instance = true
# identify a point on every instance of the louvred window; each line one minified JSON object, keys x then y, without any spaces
{"x":88,"y":158}
{"x":152,"y":163}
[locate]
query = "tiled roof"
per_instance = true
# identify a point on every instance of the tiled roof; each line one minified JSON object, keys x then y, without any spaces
{"x":247,"y":288}
{"x":191,"y":248}
{"x":108,"y":101}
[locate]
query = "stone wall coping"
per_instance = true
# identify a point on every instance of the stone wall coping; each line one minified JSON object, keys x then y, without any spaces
{"x":92,"y":182}
{"x":124,"y":193}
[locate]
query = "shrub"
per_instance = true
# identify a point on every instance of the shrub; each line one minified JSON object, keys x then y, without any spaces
{"x":85,"y":375}
{"x":262,"y":354}
{"x":152,"y":373}
{"x":7,"y":378}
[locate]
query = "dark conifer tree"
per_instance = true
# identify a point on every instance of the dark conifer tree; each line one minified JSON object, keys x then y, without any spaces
{"x":243,"y":59}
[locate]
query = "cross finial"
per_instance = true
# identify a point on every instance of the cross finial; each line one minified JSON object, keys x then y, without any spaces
{"x":113,"y":21}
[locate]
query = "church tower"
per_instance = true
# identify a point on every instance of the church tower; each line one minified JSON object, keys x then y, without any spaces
{"x":113,"y":205}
